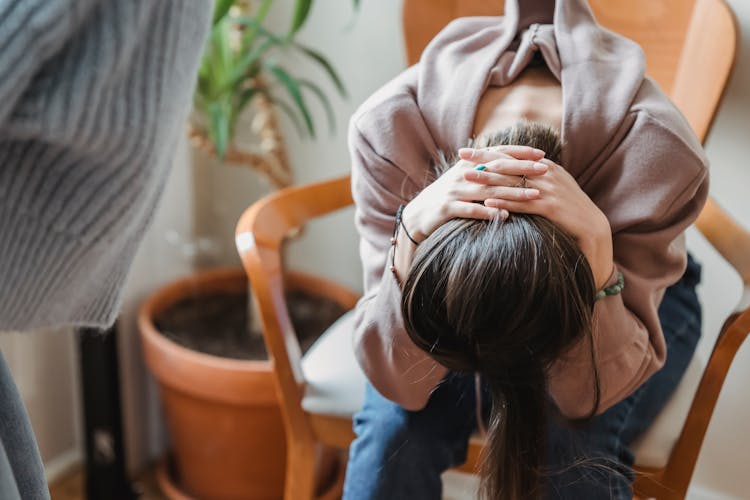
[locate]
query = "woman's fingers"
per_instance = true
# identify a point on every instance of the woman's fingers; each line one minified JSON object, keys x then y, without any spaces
{"x":496,"y":152}
{"x":512,"y":166}
{"x":504,"y":193}
{"x":522,"y":207}
{"x":505,"y":172}
{"x":471,"y":210}
{"x":491,"y":178}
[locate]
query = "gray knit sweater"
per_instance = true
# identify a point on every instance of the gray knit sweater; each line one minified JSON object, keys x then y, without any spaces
{"x":93,"y":96}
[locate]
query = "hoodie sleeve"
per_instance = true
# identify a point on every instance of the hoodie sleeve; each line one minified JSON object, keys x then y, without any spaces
{"x":652,"y":187}
{"x":395,"y":366}
{"x":31,"y":31}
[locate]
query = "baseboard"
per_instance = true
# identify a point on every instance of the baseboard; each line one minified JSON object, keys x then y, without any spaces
{"x":62,"y":464}
{"x":699,"y":493}
{"x":459,"y":486}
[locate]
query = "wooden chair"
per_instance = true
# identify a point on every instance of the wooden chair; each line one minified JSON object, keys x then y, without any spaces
{"x":689,"y":48}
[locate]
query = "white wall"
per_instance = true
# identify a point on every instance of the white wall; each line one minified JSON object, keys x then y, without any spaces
{"x":367,"y":49}
{"x":44,"y":365}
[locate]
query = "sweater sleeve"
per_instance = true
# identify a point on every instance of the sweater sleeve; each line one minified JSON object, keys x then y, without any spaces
{"x":31,"y":31}
{"x":395,"y":366}
{"x":658,"y":185}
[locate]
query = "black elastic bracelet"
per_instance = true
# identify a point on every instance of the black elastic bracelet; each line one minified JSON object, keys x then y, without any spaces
{"x":394,"y":239}
{"x":400,"y":222}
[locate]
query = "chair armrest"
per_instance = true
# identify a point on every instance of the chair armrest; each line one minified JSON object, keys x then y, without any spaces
{"x":730,"y":239}
{"x":260,"y":233}
{"x":686,"y":450}
{"x":271,"y":219}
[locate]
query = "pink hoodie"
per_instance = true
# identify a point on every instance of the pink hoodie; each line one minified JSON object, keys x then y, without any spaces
{"x":626,"y":144}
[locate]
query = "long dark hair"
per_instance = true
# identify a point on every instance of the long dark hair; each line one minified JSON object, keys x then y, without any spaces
{"x":505,"y":299}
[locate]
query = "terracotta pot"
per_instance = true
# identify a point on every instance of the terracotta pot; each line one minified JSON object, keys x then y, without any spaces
{"x":222,"y":414}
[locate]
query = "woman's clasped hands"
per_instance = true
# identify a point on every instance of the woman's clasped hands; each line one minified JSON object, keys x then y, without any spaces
{"x":496,"y":181}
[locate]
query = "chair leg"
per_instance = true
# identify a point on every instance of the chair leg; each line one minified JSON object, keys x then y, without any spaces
{"x":653,"y":483}
{"x":300,"y":473}
{"x":331,"y":471}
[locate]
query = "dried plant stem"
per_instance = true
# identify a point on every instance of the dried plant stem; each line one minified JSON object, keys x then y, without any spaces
{"x":272,"y":161}
{"x":267,"y":127}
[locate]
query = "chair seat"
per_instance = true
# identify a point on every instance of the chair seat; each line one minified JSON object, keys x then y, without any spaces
{"x":653,"y":448}
{"x":335,"y":382}
{"x":335,"y":386}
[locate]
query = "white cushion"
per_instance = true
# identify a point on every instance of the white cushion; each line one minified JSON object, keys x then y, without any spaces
{"x":336,"y":386}
{"x":655,"y":446}
{"x":335,"y":382}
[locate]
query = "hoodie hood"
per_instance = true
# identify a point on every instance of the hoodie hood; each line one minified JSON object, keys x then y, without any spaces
{"x":473,"y":53}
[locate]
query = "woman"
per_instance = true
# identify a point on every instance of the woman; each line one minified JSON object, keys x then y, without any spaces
{"x":504,"y":299}
{"x":631,"y":177}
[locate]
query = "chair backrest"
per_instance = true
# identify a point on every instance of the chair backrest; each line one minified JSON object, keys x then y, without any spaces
{"x":261,"y":232}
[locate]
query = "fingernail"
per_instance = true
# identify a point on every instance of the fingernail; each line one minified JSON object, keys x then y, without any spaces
{"x":466,"y":151}
{"x":531,"y":192}
{"x":480,"y":167}
{"x":540,"y":167}
{"x":504,"y":214}
{"x":539,"y":152}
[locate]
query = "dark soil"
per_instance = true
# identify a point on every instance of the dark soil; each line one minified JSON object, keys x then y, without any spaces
{"x":217,"y":323}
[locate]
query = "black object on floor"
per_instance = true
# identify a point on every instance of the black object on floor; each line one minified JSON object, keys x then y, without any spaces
{"x":105,"y":453}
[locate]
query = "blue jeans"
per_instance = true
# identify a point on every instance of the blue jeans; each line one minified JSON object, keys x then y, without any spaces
{"x":400,"y":454}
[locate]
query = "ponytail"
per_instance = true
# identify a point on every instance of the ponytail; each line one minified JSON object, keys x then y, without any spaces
{"x":515,"y":448}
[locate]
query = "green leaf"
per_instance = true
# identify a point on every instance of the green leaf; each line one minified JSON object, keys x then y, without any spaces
{"x":248,"y":38}
{"x":221,"y":9}
{"x":218,"y":130}
{"x":262,"y":12}
{"x":301,"y":10}
{"x":200,"y":103}
{"x":330,"y":116}
{"x":327,"y":66}
{"x":350,"y":24}
{"x":223,"y":48}
{"x":244,"y":99}
{"x":242,"y":69}
{"x":308,"y":51}
{"x":216,"y":61}
{"x":203,"y":88}
{"x":254,"y":24}
{"x":292,"y":87}
{"x":288,"y":111}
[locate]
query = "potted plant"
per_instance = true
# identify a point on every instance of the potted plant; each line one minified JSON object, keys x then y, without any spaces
{"x":198,"y":334}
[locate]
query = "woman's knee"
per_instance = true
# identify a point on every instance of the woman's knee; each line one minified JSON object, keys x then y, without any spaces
{"x":680,"y":312}
{"x":388,"y":432}
{"x":588,"y":460}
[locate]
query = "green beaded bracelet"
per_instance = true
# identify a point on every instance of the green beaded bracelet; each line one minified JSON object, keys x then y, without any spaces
{"x":612,"y":290}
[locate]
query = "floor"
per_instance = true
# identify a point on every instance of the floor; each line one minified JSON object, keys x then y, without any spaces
{"x":71,"y":487}
{"x":457,"y":486}
{"x":460,"y":486}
